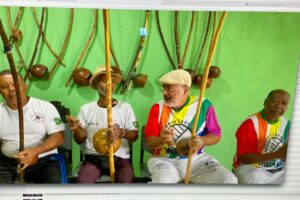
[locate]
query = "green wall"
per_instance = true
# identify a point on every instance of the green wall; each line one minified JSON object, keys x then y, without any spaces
{"x":257,"y":52}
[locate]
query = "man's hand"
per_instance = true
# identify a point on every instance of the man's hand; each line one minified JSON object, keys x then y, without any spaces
{"x":73,"y":122}
{"x":116,"y":132}
{"x":79,"y":133}
{"x":27,"y":158}
{"x":281,"y":152}
{"x":195,"y":143}
{"x":166,"y":135}
{"x":259,"y":158}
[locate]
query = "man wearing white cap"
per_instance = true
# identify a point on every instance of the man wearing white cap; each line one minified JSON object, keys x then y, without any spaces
{"x":168,"y":133}
{"x":91,"y":118}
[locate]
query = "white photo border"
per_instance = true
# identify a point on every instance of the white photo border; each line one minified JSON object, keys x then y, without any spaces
{"x":289,"y":189}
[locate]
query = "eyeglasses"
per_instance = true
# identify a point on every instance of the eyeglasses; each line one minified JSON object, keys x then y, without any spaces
{"x":169,"y":89}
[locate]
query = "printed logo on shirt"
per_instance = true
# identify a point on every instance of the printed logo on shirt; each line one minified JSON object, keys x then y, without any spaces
{"x":171,"y":152}
{"x":92,"y":124}
{"x":58,"y":121}
{"x":181,"y":129}
{"x":272,"y":164}
{"x":272,"y":144}
{"x":37,"y":117}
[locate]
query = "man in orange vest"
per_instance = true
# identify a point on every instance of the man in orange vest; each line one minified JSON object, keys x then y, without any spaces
{"x":262,"y":142}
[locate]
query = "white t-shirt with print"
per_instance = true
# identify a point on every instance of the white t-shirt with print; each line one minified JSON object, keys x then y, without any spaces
{"x":40,"y":120}
{"x":92,"y":118}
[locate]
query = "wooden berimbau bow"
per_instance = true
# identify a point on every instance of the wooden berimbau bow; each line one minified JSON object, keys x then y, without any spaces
{"x":7,"y":51}
{"x":202,"y":89}
{"x":109,"y":92}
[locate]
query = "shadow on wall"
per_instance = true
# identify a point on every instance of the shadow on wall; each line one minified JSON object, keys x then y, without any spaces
{"x":222,"y":85}
{"x":224,"y":88}
{"x":148,"y":90}
{"x":87,"y":93}
{"x":43,"y":84}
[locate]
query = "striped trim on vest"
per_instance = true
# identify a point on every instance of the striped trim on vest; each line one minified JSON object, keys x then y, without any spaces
{"x":262,"y":128}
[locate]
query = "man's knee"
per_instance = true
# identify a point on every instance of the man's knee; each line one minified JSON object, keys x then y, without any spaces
{"x":124,"y":175}
{"x":124,"y":171}
{"x":225,"y":176}
{"x":215,"y":175}
{"x":88,"y":173}
{"x":163,"y":173}
{"x":164,"y":176}
{"x":229,"y":178}
{"x":254,"y":176}
{"x":56,"y":178}
{"x":44,"y":172}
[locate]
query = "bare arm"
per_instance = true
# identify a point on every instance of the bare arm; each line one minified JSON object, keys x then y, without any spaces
{"x":79,"y":133}
{"x":52,"y":142}
{"x":130,"y":135}
{"x":165,"y":137}
{"x":210,"y":139}
{"x":154,"y":142}
{"x":258,"y":158}
{"x":118,"y":132}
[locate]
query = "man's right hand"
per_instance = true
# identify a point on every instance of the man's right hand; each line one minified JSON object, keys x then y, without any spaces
{"x":27,"y":158}
{"x":281,"y":152}
{"x":73,"y":122}
{"x":166,"y":135}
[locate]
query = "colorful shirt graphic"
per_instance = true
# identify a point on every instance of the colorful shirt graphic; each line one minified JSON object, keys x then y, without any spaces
{"x":181,"y":121}
{"x":257,"y":135}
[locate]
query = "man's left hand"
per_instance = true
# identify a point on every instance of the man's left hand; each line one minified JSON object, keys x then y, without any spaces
{"x":195,"y":143}
{"x":116,"y":132}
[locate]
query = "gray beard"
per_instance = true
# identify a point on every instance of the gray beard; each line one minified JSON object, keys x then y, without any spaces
{"x":102,"y":92}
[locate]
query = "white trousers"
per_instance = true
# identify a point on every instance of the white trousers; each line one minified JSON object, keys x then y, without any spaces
{"x":248,"y":174}
{"x":205,"y":169}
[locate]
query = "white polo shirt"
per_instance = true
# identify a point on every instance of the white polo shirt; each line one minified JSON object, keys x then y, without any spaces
{"x":40,"y":120}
